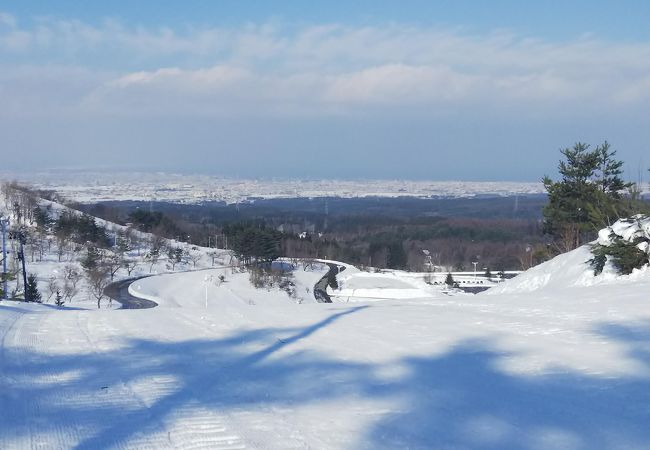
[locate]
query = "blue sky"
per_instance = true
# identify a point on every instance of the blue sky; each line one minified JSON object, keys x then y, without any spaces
{"x":370,"y":89}
{"x":554,"y":19}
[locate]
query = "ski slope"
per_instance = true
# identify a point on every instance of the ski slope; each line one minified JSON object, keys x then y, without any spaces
{"x":556,"y":364}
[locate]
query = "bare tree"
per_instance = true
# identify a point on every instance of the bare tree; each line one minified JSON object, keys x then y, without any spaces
{"x":194,"y":255}
{"x":155,"y":249}
{"x":62,"y":245}
{"x":129,"y":264}
{"x":174,"y":256}
{"x":71,"y":278}
{"x":52,"y":287}
{"x":231,"y":257}
{"x":69,"y":290}
{"x":113,"y":263}
{"x":40,"y":243}
{"x":98,"y":278}
{"x":308,"y":263}
{"x":214,"y":254}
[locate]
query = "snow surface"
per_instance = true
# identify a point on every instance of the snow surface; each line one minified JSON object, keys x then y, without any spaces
{"x":355,"y":286}
{"x":547,"y":361}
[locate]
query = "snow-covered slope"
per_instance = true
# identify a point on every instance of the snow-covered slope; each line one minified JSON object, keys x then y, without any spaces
{"x":50,"y":266}
{"x":568,"y":270}
{"x":552,"y":369}
{"x":556,"y":360}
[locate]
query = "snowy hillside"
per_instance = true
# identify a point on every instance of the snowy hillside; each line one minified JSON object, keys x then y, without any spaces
{"x":55,"y":258}
{"x":553,"y":359}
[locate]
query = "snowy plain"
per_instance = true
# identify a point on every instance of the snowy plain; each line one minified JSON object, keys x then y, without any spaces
{"x":542,"y":361}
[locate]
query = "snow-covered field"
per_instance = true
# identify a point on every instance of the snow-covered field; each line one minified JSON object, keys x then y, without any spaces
{"x":355,"y":286}
{"x":546,"y":361}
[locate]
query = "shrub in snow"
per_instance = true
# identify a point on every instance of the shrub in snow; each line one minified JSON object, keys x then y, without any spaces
{"x":58,"y":300}
{"x":625,"y":244}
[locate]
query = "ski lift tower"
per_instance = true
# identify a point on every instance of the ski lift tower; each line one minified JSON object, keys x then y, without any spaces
{"x":4,"y":223}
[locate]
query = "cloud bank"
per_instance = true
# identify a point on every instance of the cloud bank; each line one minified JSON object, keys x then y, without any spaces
{"x":327,"y":69}
{"x":71,"y":71}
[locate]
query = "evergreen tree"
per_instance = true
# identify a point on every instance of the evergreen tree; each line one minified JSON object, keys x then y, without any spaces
{"x":91,"y":260}
{"x":449,"y":281}
{"x":81,"y":229}
{"x":588,"y":196}
{"x":254,"y":242}
{"x":396,"y":255}
{"x":122,"y":243}
{"x":32,"y":294}
{"x":624,"y":254}
{"x":42,"y":218}
{"x":609,"y":171}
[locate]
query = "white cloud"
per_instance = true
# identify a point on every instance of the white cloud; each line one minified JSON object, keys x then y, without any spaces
{"x":399,"y":83}
{"x":278,"y":69}
{"x":7,"y":20}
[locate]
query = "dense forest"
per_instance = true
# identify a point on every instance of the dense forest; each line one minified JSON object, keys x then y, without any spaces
{"x":500,"y":233}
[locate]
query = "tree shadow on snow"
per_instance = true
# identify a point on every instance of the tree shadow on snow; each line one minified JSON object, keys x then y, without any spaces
{"x":458,"y":400}
{"x":463,"y":400}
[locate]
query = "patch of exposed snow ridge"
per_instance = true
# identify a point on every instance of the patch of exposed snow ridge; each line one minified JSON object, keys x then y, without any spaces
{"x":572,"y":269}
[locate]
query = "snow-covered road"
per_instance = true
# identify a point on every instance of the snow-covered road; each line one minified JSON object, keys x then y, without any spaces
{"x":554,"y":369}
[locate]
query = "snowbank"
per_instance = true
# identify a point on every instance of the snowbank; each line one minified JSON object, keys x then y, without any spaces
{"x":572,"y":269}
{"x":358,"y":286}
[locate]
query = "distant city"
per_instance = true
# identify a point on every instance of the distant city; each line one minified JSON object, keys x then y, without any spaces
{"x":177,"y":188}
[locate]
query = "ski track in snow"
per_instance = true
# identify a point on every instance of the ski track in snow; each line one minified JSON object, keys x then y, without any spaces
{"x":201,"y":427}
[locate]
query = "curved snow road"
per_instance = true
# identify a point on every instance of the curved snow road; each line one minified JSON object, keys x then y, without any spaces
{"x":119,"y":291}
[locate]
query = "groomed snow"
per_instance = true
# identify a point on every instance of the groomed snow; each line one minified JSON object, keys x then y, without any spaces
{"x":565,"y":365}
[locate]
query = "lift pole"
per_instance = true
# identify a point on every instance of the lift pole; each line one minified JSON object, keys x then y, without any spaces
{"x":4,"y":223}
{"x":23,"y":239}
